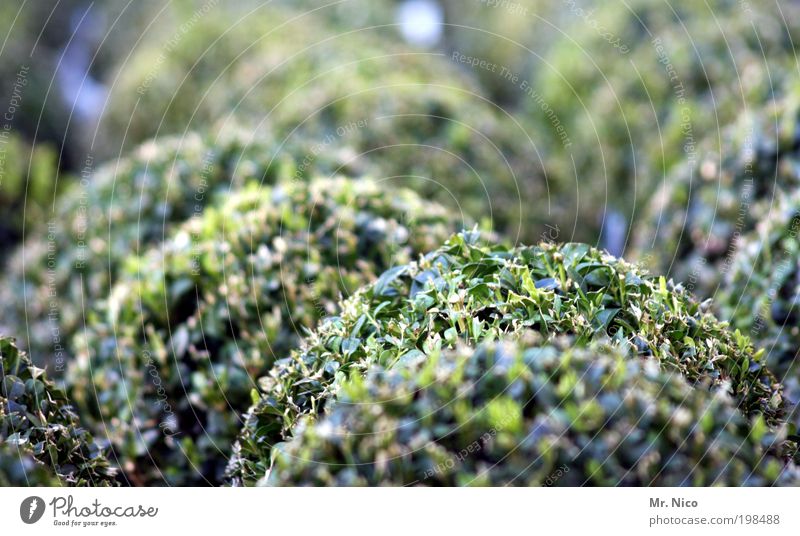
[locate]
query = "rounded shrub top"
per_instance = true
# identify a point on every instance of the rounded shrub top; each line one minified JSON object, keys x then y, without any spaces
{"x":691,"y":229}
{"x":760,"y":294}
{"x":466,"y":291}
{"x":174,"y":352}
{"x":532,"y":414}
{"x":111,"y":212}
{"x":38,"y":427}
{"x":762,"y":290}
{"x":393,"y":110}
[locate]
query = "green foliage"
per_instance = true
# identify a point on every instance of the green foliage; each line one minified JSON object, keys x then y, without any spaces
{"x":760,"y":293}
{"x":532,"y":415}
{"x":19,"y":468}
{"x":410,"y":119}
{"x":184,"y":306}
{"x":617,"y":95}
{"x":28,"y":182}
{"x":109,"y":213}
{"x":688,"y":69}
{"x":469,"y":292}
{"x":693,"y":227}
{"x":387,"y":109}
{"x":173,"y":353}
{"x":515,"y":36}
{"x":37,"y":421}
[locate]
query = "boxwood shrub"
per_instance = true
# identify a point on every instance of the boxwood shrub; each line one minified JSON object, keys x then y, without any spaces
{"x":760,"y":293}
{"x":168,"y":362}
{"x":631,"y":114}
{"x":692,"y":229}
{"x":111,"y":212}
{"x":432,"y":132}
{"x":19,"y":468}
{"x":529,"y":414}
{"x":38,"y":427}
{"x":469,"y":291}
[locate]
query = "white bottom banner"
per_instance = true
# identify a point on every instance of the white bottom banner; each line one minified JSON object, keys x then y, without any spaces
{"x":377,"y":511}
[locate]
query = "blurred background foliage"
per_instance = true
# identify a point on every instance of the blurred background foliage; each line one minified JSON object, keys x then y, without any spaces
{"x":665,"y":130}
{"x":585,"y":108}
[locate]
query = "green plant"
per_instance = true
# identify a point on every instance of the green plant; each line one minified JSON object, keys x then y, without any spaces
{"x":514,"y":37}
{"x":19,"y":468}
{"x":532,"y":414}
{"x":168,"y":361}
{"x":631,"y":115}
{"x":28,"y":181}
{"x":37,"y":421}
{"x":466,"y":291}
{"x":111,"y":212}
{"x":387,"y":109}
{"x":760,"y":293}
{"x":692,"y":229}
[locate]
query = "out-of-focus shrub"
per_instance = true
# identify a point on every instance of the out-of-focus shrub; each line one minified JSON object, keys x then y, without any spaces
{"x":19,"y":468}
{"x":532,"y":415}
{"x":37,"y":421}
{"x":512,"y":37}
{"x":760,"y":294}
{"x":692,"y":228}
{"x":169,"y":360}
{"x":631,"y":114}
{"x":28,"y":182}
{"x":113,"y":211}
{"x":469,"y":292}
{"x":392,"y":109}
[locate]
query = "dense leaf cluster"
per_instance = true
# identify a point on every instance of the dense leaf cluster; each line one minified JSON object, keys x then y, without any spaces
{"x":638,"y":85}
{"x":38,"y":427}
{"x":387,"y":109}
{"x":528,"y":414}
{"x":760,"y":294}
{"x":467,"y":291}
{"x":168,"y":361}
{"x":189,"y":280}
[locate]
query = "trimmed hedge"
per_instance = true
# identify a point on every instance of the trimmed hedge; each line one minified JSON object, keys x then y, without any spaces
{"x":110,"y":213}
{"x":36,"y":421}
{"x":433,"y":133}
{"x":514,"y":36}
{"x":688,"y":69}
{"x":388,"y":109}
{"x":528,"y":414}
{"x":760,"y":294}
{"x":28,"y":180}
{"x":469,"y":292}
{"x":692,"y":228}
{"x":174,"y":352}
